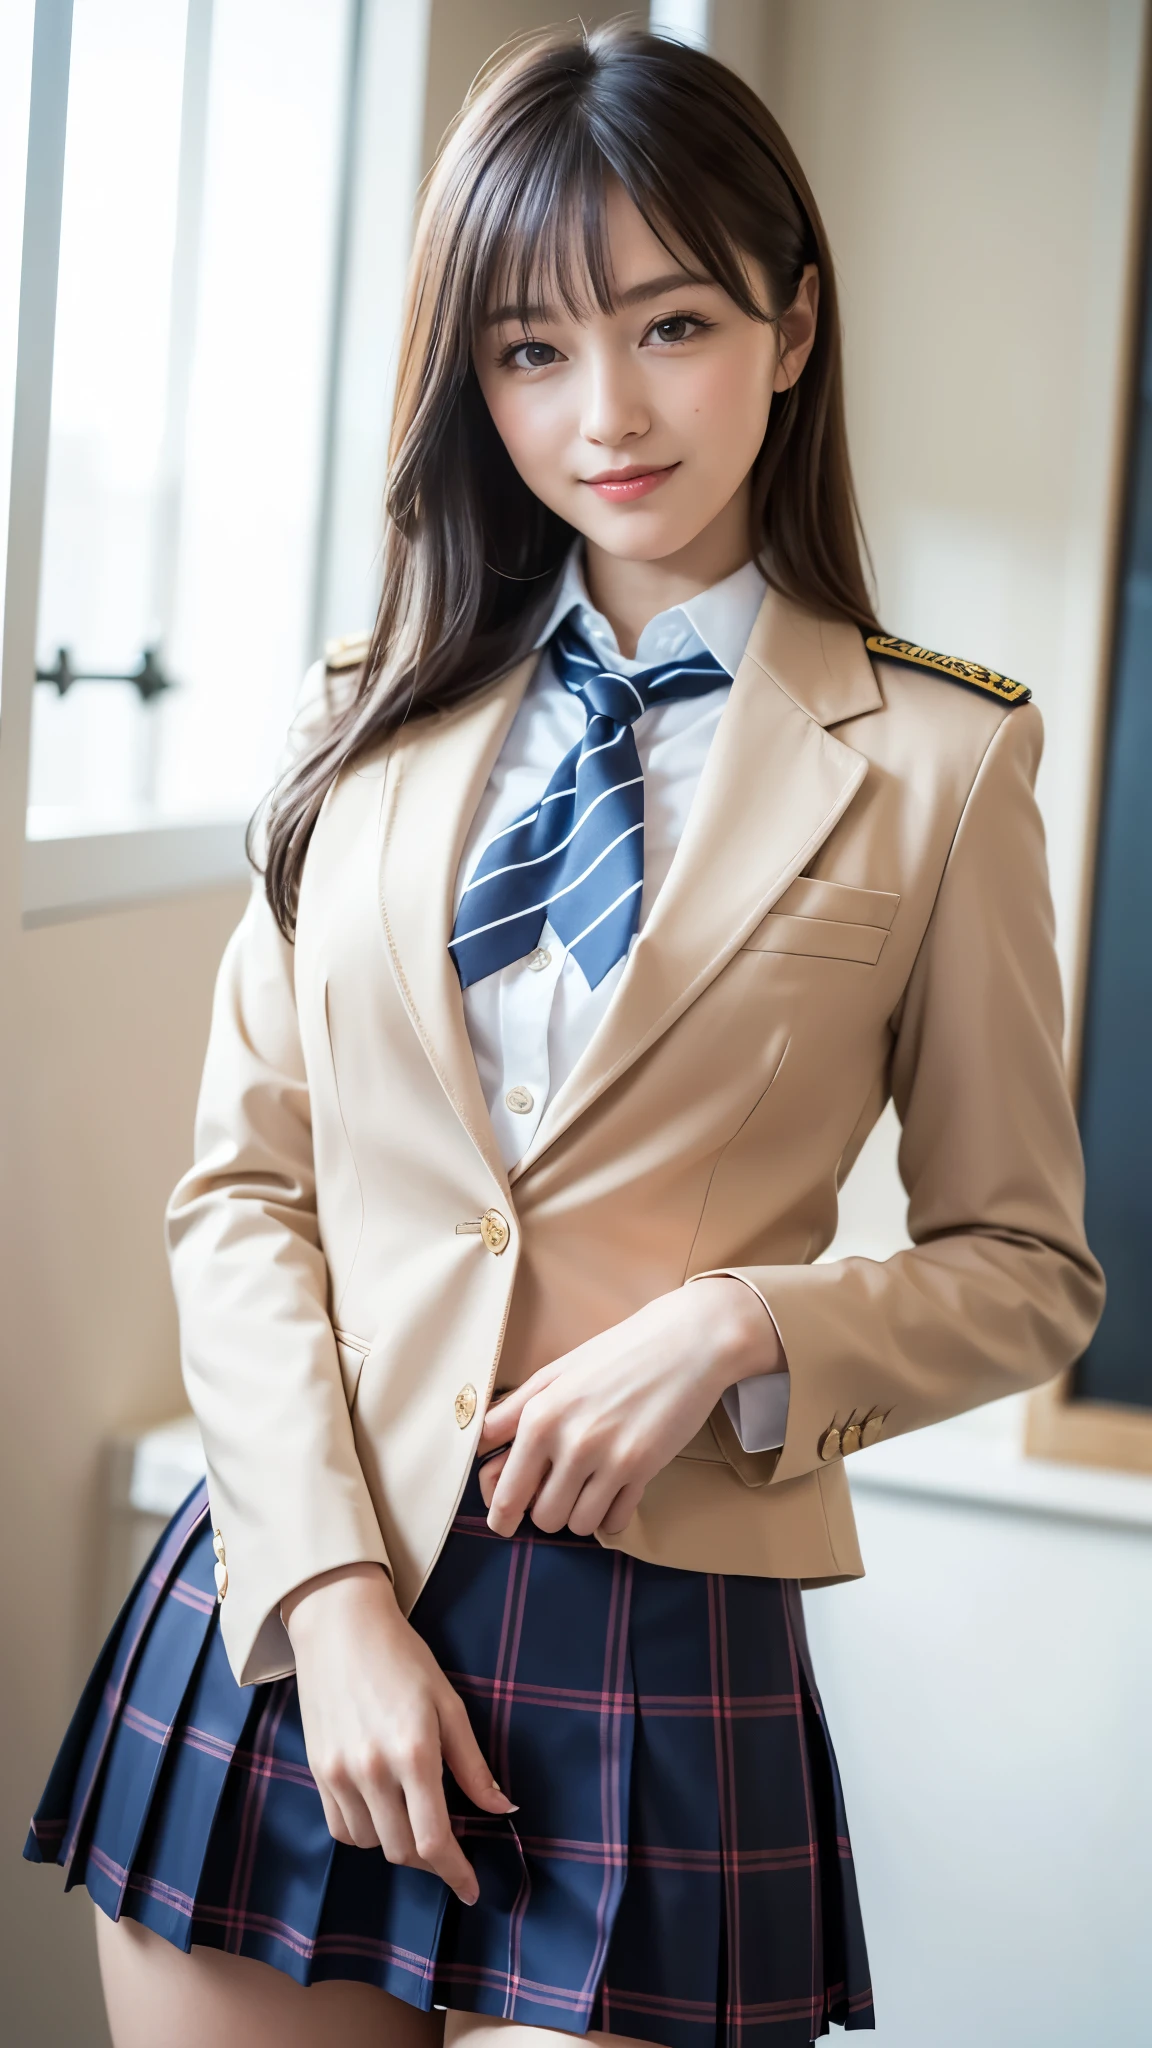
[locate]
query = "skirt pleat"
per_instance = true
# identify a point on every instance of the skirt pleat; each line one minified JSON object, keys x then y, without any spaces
{"x":679,"y":1869}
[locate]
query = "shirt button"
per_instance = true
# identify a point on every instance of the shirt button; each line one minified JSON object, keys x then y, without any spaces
{"x":521,"y":1100}
{"x":539,"y":960}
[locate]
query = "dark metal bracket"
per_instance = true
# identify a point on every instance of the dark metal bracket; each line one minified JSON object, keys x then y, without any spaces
{"x":148,"y":678}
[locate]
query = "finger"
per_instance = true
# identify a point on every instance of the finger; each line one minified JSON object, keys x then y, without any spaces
{"x":503,"y":1417}
{"x":622,"y":1509}
{"x":466,"y":1760}
{"x":555,"y":1502}
{"x":344,"y":1804}
{"x":500,"y":1423}
{"x":436,"y":1845}
{"x":594,"y":1500}
{"x":393,"y":1826}
{"x":489,"y":1473}
{"x":517,"y":1486}
{"x":334,"y":1819}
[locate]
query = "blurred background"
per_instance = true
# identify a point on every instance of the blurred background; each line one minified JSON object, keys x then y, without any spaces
{"x":205,"y":211}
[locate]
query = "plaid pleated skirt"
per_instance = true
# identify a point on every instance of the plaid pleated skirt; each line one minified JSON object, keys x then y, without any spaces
{"x":679,"y":1868}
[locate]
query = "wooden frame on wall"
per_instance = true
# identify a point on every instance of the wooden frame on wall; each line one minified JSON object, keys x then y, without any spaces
{"x":1060,"y":1425}
{"x":1087,"y":1432}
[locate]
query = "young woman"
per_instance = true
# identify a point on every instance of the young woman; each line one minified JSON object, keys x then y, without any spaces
{"x":615,"y":886}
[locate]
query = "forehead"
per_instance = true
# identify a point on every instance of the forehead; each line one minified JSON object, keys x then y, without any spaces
{"x":595,"y":253}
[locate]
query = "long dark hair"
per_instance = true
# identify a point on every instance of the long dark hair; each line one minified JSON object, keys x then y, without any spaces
{"x":516,"y":199}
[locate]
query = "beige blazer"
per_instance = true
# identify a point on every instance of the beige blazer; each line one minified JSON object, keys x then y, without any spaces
{"x":858,"y":909}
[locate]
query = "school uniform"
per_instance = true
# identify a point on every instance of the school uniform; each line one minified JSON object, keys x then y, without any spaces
{"x":410,"y":1191}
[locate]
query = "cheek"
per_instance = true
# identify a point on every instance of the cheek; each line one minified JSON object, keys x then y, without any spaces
{"x":725,"y":409}
{"x":531,"y":423}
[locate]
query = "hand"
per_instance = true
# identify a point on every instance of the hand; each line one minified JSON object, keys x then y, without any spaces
{"x":587,"y":1433}
{"x":380,"y":1719}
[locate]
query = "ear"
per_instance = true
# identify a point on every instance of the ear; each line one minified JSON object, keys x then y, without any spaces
{"x":797,"y":329}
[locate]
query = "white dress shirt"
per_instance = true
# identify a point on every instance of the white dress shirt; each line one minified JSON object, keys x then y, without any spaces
{"x":530,"y":1022}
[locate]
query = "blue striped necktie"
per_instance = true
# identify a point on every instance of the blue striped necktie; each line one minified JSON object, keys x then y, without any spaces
{"x":576,"y":859}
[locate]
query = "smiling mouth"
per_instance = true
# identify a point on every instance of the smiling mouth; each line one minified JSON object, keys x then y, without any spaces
{"x":620,"y":486}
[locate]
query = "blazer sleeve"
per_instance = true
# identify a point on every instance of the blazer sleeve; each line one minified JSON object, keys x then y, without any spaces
{"x":999,"y":1290}
{"x":287,"y":1492}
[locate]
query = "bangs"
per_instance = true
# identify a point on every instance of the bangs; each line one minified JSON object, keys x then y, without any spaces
{"x":535,"y":232}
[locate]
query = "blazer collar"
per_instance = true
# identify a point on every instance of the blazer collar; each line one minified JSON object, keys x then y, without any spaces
{"x":775,"y":783}
{"x":436,"y":776}
{"x":821,"y":664}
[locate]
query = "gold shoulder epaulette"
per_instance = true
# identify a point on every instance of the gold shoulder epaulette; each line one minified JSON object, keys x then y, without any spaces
{"x":950,"y":666}
{"x":347,"y":652}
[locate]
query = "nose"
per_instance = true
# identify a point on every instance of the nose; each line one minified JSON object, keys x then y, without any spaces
{"x":614,"y":407}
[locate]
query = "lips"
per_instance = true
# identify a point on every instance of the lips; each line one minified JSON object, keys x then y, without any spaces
{"x":621,"y":486}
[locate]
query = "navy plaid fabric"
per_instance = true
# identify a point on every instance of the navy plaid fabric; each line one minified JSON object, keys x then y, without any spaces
{"x":679,"y":1869}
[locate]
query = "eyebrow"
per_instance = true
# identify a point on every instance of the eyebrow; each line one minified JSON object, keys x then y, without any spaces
{"x":636,"y":295}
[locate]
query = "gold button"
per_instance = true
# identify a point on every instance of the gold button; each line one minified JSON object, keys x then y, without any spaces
{"x":494,"y":1230}
{"x":872,"y":1426}
{"x":539,"y":960}
{"x":829,"y":1444}
{"x":521,"y":1100}
{"x":220,"y":1572}
{"x":465,"y":1406}
{"x":218,"y":1545}
{"x":850,"y":1439}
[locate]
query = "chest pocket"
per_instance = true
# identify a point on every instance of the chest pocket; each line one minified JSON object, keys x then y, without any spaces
{"x":828,"y":921}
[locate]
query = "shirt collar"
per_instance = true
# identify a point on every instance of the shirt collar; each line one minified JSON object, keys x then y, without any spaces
{"x":720,"y":619}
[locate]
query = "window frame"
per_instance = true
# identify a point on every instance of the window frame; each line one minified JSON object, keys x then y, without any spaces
{"x":81,"y":874}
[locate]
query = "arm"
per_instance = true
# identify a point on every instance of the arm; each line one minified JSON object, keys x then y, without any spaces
{"x":288,"y":1494}
{"x":259,"y":1355}
{"x":1000,"y":1290}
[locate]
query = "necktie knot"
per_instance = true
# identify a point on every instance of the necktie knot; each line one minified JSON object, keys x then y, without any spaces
{"x":606,"y":695}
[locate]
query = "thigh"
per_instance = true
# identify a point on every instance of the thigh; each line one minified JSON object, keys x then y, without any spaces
{"x":158,"y":1997}
{"x":477,"y":2030}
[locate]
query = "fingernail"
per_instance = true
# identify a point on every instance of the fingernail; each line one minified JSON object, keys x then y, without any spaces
{"x":500,"y":1794}
{"x":468,"y":1898}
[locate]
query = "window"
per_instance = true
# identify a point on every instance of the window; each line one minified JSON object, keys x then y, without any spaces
{"x":201,"y":187}
{"x":232,"y":237}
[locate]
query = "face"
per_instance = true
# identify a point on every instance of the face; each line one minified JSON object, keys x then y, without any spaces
{"x":640,"y":426}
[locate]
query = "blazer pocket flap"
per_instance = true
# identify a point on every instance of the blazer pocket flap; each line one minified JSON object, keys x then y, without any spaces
{"x":351,"y":1351}
{"x":827,"y":921}
{"x":818,"y":938}
{"x":835,"y":900}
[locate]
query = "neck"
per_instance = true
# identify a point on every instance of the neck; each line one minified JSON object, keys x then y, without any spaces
{"x":631,"y":592}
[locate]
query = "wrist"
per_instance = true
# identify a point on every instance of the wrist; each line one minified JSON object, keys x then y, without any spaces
{"x":348,"y":1589}
{"x":742,"y":1338}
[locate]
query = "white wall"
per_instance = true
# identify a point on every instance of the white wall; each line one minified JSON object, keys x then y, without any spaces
{"x":989,"y":1692}
{"x":974,"y":166}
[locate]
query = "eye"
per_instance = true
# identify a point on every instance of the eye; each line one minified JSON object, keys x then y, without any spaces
{"x":531,"y":355}
{"x":676,"y":327}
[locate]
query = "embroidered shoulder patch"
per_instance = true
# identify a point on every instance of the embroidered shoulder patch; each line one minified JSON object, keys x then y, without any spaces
{"x":347,"y":652}
{"x":950,"y":666}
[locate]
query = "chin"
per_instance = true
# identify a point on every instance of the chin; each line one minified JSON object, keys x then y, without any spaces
{"x":644,"y":539}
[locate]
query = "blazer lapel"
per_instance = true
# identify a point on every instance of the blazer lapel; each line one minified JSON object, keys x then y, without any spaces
{"x":774,"y":785}
{"x":434,"y":782}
